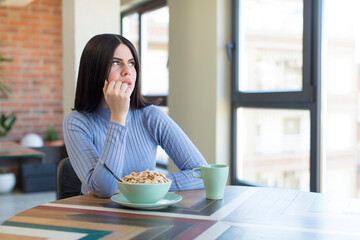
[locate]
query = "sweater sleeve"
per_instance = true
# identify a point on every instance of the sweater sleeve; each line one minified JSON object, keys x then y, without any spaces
{"x":178,"y":146}
{"x":87,"y":160}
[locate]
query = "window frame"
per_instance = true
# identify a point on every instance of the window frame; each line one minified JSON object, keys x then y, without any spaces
{"x":309,"y":98}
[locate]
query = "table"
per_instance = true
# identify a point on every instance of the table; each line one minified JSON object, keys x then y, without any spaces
{"x":244,"y":213}
{"x":13,"y":154}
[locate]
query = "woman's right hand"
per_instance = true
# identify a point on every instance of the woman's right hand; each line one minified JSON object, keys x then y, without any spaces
{"x":117,"y":97}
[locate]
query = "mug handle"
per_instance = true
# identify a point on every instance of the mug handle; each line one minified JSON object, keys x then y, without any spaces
{"x":194,"y":169}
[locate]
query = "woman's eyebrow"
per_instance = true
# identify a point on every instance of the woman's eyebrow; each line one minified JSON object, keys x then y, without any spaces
{"x":120,"y":59}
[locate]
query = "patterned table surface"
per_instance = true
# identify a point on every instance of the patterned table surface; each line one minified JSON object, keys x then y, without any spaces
{"x":244,"y":213}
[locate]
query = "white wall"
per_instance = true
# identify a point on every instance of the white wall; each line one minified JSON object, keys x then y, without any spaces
{"x":83,"y":19}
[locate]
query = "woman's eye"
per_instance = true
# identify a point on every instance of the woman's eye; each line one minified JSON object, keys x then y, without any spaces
{"x":131,"y":64}
{"x":117,"y":63}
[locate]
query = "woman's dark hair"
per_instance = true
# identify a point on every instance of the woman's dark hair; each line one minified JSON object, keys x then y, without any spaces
{"x":95,"y":64}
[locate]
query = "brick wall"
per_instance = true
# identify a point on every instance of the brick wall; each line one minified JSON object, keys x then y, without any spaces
{"x":31,"y":35}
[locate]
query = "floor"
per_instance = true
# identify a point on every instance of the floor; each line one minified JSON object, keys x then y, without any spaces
{"x":16,"y":202}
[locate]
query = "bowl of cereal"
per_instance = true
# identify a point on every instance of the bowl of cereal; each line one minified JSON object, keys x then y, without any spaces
{"x":144,"y":187}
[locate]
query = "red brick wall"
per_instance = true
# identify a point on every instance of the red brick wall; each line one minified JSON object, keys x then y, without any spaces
{"x":32,"y":36}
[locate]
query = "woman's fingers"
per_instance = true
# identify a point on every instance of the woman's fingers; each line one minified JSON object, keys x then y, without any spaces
{"x":124,"y":87}
{"x":112,"y":87}
{"x":128,"y":92}
{"x":91,"y":194}
{"x":117,"y":89}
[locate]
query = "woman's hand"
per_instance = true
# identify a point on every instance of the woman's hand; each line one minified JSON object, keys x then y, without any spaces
{"x":90,"y":193}
{"x":117,"y":97}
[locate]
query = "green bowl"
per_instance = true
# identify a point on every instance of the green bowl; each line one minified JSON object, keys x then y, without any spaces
{"x":144,"y":193}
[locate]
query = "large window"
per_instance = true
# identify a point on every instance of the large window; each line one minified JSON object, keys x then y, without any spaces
{"x":288,"y":129}
{"x":275,"y":99}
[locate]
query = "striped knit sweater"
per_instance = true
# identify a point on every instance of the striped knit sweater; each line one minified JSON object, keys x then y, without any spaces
{"x":91,"y":140}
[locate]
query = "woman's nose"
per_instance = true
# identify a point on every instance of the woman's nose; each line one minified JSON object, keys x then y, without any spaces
{"x":125,"y":71}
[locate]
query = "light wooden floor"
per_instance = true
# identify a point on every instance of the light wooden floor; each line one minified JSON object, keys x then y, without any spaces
{"x":16,"y":202}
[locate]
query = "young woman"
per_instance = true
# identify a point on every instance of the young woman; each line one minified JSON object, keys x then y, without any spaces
{"x":113,"y":124}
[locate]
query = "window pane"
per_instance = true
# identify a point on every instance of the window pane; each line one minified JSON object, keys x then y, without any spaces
{"x":130,"y":29}
{"x":340,"y":82}
{"x":154,"y":52}
{"x":270,"y":45}
{"x":273,"y":147}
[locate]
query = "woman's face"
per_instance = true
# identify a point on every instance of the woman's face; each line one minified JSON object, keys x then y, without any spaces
{"x":123,"y":67}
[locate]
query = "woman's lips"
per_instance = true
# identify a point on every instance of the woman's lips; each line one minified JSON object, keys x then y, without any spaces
{"x":127,"y":81}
